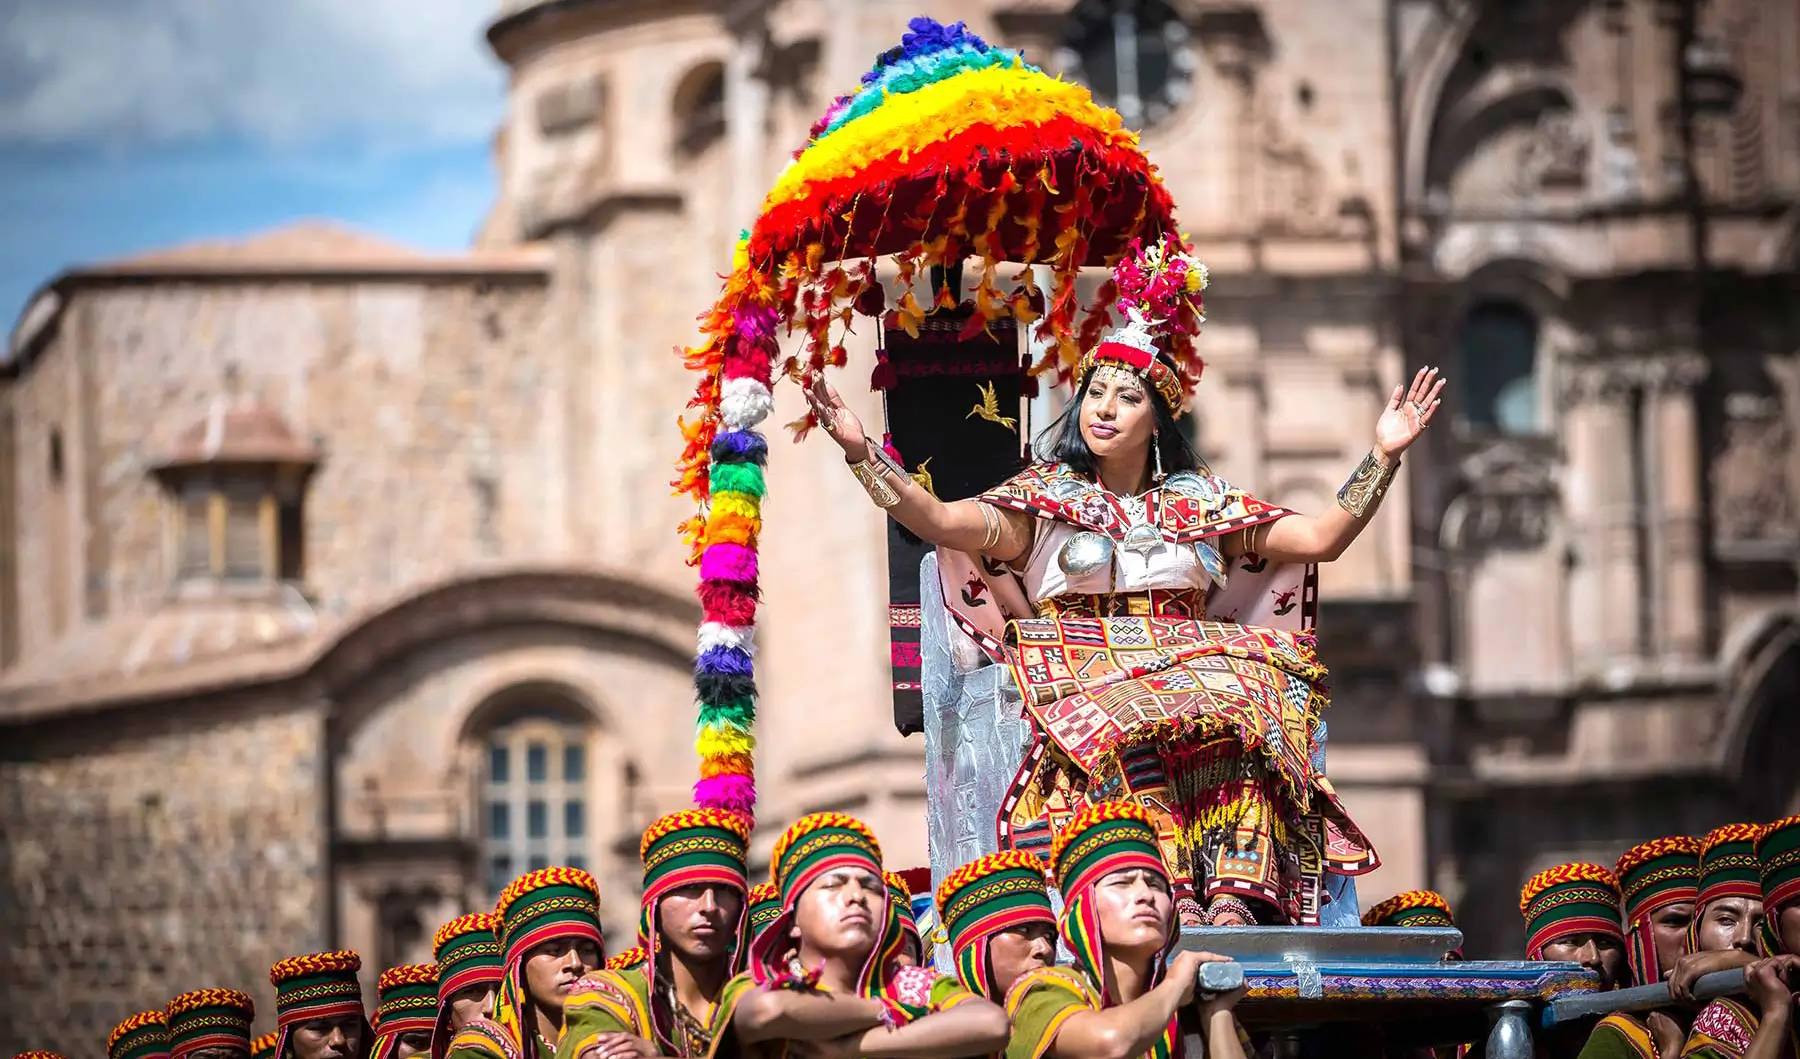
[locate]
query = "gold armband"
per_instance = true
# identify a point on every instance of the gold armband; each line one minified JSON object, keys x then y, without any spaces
{"x":873,"y":472}
{"x":1367,"y":484}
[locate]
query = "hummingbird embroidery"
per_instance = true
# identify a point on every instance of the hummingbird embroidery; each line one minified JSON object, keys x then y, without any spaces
{"x":989,"y":408}
{"x":923,"y":476}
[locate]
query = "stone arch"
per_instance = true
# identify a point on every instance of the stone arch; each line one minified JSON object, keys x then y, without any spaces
{"x":1509,"y":287}
{"x":1504,"y":98}
{"x":1424,"y":88}
{"x":1760,"y":727}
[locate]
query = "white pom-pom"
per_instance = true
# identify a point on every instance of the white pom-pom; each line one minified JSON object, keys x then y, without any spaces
{"x":713,"y":634}
{"x":743,"y":403}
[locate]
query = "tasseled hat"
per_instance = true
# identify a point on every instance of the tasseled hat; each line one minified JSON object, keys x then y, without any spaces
{"x":467,"y":950}
{"x":1158,"y":288}
{"x":209,"y":1018}
{"x":692,"y":847}
{"x":1653,"y":875}
{"x":812,"y":846}
{"x":406,"y":1001}
{"x":144,"y":1035}
{"x":534,"y":908}
{"x":322,"y":985}
{"x":984,"y":897}
{"x":1097,"y":841}
{"x":1414,"y":908}
{"x":1728,"y":864}
{"x":264,"y":1047}
{"x":1778,"y":854}
{"x":765,"y":907}
{"x":1577,"y":898}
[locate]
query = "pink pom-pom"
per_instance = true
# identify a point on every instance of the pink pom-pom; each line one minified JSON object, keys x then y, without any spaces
{"x":728,"y":562}
{"x":733,"y":793}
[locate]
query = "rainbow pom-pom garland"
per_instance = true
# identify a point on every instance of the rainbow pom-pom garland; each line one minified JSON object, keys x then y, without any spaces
{"x":948,"y":149}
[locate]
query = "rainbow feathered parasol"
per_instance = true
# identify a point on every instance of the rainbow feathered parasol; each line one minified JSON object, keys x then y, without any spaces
{"x":948,"y":150}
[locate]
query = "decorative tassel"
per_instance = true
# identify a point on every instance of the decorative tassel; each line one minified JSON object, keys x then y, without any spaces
{"x":884,"y":377}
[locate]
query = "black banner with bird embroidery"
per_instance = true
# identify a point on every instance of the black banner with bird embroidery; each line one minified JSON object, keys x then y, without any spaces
{"x":953,"y":418}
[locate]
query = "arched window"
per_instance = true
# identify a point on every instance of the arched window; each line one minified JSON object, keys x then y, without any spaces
{"x":700,"y":109}
{"x":535,"y":810}
{"x":1498,"y":344}
{"x":1132,"y":54}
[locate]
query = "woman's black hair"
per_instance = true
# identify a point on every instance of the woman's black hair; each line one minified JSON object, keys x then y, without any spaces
{"x":1061,"y":440}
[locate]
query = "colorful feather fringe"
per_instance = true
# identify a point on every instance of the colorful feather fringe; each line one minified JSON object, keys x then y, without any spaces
{"x":947,"y":149}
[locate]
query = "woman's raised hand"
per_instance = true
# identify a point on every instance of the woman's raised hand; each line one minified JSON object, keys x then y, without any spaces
{"x":1407,"y":415}
{"x":837,"y":419}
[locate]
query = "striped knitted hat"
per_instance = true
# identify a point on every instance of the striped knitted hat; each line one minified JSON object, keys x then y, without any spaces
{"x":900,"y":900}
{"x":997,"y":892}
{"x":1728,"y":864}
{"x":1652,"y":876}
{"x":264,"y":1047}
{"x":209,"y":1018}
{"x":405,"y":1002}
{"x":1097,"y":841}
{"x":765,"y":907}
{"x":144,"y":1035}
{"x":1778,"y":853}
{"x":1577,"y":898}
{"x":541,"y":906}
{"x":1414,"y":908}
{"x":1778,"y":858}
{"x":467,"y":950}
{"x":811,"y":847}
{"x":322,"y":985}
{"x":38,"y":1055}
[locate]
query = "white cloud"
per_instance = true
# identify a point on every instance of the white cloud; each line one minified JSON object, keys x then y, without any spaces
{"x":282,"y":72}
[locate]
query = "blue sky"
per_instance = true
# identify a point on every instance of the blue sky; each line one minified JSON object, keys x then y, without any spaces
{"x":132,"y":124}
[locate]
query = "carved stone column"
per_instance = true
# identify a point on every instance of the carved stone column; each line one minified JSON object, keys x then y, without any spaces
{"x":1670,"y":442}
{"x":1597,"y":494}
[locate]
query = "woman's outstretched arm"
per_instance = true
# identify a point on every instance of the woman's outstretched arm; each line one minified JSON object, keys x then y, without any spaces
{"x":964,"y":525}
{"x":1322,"y":538}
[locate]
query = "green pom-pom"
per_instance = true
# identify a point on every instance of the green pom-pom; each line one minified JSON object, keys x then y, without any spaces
{"x":746,"y":478}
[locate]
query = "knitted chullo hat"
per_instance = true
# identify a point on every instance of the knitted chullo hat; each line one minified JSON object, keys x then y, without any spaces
{"x":997,"y":892}
{"x":1414,"y":908}
{"x":467,"y":950}
{"x":264,"y":1047}
{"x":900,"y":900}
{"x":692,"y":847}
{"x":765,"y":907}
{"x":1728,"y":864}
{"x":1778,"y":854}
{"x":1652,"y":876}
{"x":209,"y":1018}
{"x":1577,"y":898}
{"x":813,"y":846}
{"x":144,"y":1035}
{"x":322,"y":985}
{"x":39,"y":1055}
{"x":405,"y":1002}
{"x":537,"y":907}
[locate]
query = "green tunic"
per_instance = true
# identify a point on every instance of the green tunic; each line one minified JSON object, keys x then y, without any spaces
{"x":919,"y":990}
{"x":1039,"y":1003}
{"x":619,"y":1002}
{"x":1620,"y":1036}
{"x":485,"y":1039}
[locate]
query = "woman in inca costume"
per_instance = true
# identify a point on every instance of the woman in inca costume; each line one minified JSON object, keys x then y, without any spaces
{"x":1136,"y":594}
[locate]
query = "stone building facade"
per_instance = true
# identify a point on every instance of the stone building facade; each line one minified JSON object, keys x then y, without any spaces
{"x":338,"y":582}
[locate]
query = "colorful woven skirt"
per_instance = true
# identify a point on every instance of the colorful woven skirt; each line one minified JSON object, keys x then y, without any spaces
{"x":1211,"y":726}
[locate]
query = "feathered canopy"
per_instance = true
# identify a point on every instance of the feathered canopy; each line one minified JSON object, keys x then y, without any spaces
{"x":949,"y":150}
